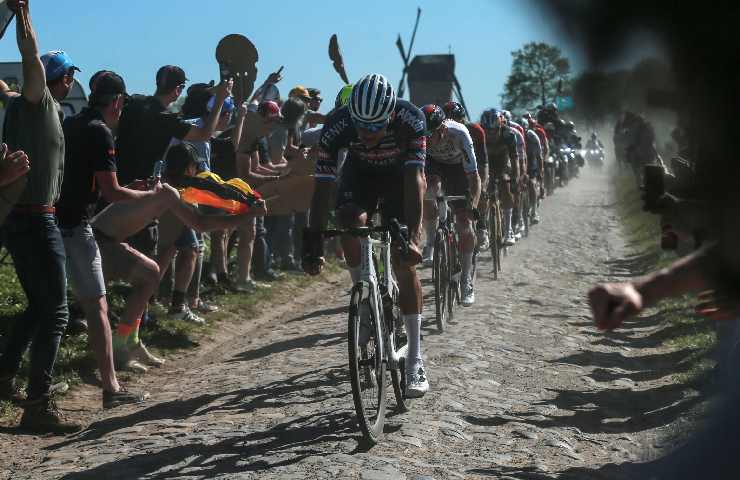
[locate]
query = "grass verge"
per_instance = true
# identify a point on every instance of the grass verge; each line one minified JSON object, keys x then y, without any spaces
{"x":75,"y":362}
{"x":684,"y":329}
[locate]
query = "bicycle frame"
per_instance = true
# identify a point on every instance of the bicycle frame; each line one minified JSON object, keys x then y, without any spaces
{"x":369,"y":275}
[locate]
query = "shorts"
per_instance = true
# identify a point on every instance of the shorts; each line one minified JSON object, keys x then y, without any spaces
{"x":454,"y":180}
{"x":189,"y":239}
{"x":84,"y":262}
{"x":365,"y":188}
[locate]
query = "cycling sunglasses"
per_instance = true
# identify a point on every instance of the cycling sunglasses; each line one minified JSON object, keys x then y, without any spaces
{"x":371,"y":126}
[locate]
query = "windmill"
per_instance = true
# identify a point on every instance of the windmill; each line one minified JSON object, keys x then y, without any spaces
{"x":431,"y":78}
{"x":406,"y":57}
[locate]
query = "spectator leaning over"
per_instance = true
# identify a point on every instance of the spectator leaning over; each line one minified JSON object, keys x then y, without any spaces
{"x":33,"y":124}
{"x":89,"y":170}
{"x":146,"y":130}
{"x":188,"y":264}
{"x":130,"y":353}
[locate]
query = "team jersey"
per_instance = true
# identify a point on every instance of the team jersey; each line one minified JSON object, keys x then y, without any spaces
{"x":502,"y":151}
{"x":404,"y":144}
{"x":455,"y":148}
{"x":479,"y":142}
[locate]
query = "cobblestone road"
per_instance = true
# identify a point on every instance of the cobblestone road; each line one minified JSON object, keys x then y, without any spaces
{"x":522,"y":386}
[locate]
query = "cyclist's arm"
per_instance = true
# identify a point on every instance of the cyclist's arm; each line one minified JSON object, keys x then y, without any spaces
{"x":414,"y":184}
{"x":470,"y":165}
{"x":325,"y":177}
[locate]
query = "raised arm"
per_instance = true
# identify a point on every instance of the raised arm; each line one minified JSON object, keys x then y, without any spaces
{"x":34,"y":76}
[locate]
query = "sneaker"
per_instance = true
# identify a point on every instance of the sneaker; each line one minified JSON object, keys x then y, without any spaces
{"x":249,"y":286}
{"x":186,"y":315}
{"x":468,"y":298}
{"x":122,"y":397}
{"x":204,"y":307}
{"x":427,"y":256}
{"x":510,"y":240}
{"x":43,"y":416}
{"x":9,"y":390}
{"x":270,"y":276}
{"x":140,"y":354}
{"x":483,"y":241}
{"x":416,"y":381}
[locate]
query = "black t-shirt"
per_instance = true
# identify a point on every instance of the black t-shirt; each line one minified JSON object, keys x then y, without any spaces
{"x":223,"y":156}
{"x":89,"y":149}
{"x":144,"y":133}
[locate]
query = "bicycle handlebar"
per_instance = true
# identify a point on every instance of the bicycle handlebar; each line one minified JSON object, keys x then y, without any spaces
{"x":399,"y":233}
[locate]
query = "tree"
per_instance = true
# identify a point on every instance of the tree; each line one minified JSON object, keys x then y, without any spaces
{"x":539,"y":72}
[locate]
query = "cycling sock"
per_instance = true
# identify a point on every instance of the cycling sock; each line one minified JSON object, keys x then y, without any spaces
{"x":430,"y":228}
{"x":178,"y":299}
{"x":507,"y":221}
{"x":467,"y":265}
{"x":413,"y":333}
{"x":355,"y":273}
{"x":126,"y":334}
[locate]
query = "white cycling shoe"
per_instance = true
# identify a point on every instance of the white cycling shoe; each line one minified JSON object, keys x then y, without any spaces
{"x":484,"y":242}
{"x":417,"y":384}
{"x":468,"y":297}
{"x":510,"y":240}
{"x":427,"y":256}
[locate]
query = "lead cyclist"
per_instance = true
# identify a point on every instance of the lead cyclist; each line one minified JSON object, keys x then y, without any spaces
{"x":452,"y":168}
{"x":384,"y":137}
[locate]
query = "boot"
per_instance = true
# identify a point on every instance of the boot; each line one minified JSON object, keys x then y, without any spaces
{"x":43,"y":416}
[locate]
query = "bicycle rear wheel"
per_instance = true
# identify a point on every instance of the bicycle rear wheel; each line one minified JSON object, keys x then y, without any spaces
{"x":366,"y":363}
{"x":441,"y":279}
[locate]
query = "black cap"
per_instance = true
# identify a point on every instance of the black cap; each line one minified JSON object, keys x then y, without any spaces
{"x":106,"y":82}
{"x":169,"y":77}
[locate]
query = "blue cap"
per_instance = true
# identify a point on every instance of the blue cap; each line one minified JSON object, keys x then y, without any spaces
{"x":57,"y":63}
{"x":228,"y":106}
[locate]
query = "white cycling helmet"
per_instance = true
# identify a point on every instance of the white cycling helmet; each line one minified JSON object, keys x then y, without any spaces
{"x":372,"y":99}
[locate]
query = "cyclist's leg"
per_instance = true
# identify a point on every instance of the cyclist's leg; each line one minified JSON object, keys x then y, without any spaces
{"x":410,"y":296}
{"x":355,"y":202}
{"x":482,"y":224}
{"x":431,"y":215}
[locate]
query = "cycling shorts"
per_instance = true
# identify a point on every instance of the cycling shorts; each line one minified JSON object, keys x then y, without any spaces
{"x":454,"y":180}
{"x":364,"y":188}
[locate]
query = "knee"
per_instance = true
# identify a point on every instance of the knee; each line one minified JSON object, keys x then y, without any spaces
{"x":351,"y":216}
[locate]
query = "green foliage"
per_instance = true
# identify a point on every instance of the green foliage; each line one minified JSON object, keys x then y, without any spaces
{"x":539,"y":72}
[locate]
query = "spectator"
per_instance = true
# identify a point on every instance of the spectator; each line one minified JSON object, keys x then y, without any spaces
{"x":33,"y":125}
{"x":90,"y":169}
{"x":145,"y":132}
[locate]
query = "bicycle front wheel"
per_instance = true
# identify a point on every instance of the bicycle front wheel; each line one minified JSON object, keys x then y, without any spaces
{"x":494,"y":226}
{"x":366,"y":364}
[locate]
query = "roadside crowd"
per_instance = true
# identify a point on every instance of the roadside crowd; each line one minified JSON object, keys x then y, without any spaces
{"x":94,"y":207}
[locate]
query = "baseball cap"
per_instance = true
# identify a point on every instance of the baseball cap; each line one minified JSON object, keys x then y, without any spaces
{"x":57,"y":63}
{"x":301,"y":92}
{"x":169,"y":77}
{"x":269,"y":109}
{"x":228,"y":106}
{"x":315,"y":93}
{"x":106,"y":82}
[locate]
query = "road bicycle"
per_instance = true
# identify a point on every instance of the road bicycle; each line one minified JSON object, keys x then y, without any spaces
{"x":447,"y":262}
{"x":495,"y":229}
{"x":376,"y":343}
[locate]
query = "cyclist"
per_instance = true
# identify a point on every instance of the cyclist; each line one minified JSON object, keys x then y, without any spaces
{"x":456,"y":111}
{"x":503,"y":161}
{"x":519,"y":186}
{"x":452,"y":168}
{"x":535,"y":169}
{"x":386,"y":154}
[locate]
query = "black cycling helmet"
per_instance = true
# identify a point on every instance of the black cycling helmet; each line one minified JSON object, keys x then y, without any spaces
{"x":454,"y":111}
{"x":434,"y":116}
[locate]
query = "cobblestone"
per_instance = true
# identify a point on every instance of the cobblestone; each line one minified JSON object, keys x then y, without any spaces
{"x":514,"y":390}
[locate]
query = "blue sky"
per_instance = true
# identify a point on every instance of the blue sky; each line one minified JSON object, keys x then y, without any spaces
{"x":136,"y":37}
